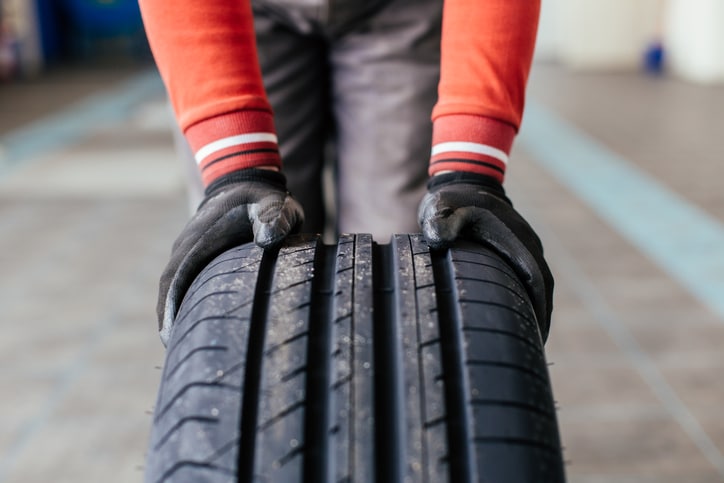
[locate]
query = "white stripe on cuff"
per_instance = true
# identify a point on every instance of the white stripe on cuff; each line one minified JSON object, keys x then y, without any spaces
{"x":211,"y":148}
{"x":470,"y":148}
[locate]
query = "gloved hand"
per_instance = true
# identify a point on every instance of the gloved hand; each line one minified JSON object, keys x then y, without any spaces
{"x":474,"y":207}
{"x":251,"y":204}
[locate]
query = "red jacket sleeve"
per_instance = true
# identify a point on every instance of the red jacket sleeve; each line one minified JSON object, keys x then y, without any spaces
{"x":487,"y":50}
{"x":206,"y":54}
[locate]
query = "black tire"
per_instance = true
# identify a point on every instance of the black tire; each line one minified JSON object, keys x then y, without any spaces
{"x":355,"y":362}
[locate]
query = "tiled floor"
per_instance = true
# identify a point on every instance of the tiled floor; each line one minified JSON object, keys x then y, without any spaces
{"x":86,"y":227}
{"x":637,"y":359}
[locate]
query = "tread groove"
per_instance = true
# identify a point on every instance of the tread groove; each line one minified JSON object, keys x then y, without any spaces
{"x":289,"y":456}
{"x":456,"y":385}
{"x":514,"y":404}
{"x":435,"y":422}
{"x":194,"y":464}
{"x":518,"y":441}
{"x":201,"y":285}
{"x":507,"y":333}
{"x":250,"y":399}
{"x":292,"y":374}
{"x":427,"y":394}
{"x":494,"y":283}
{"x":526,"y":317}
{"x":160,"y":414}
{"x":291,"y":285}
{"x":223,"y":449}
{"x":477,"y":253}
{"x":389,"y":410}
{"x":272,"y":349}
{"x":526,"y":370}
{"x":231,"y":370}
{"x":185,"y":358}
{"x":201,"y":419}
{"x":228,"y":257}
{"x":281,"y":414}
{"x":341,"y":382}
{"x":190,"y":310}
{"x":317,"y":419}
{"x":430,"y":342}
{"x":196,"y":323}
{"x":510,"y":275}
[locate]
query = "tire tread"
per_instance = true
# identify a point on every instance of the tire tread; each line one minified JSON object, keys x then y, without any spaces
{"x":356,"y":362}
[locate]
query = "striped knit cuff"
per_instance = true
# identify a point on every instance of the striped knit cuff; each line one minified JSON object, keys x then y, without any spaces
{"x":475,"y":144}
{"x":228,"y":143}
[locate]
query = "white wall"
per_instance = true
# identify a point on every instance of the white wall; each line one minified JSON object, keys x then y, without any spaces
{"x":694,"y":34}
{"x":614,"y":34}
{"x":547,"y":45}
{"x":598,"y":34}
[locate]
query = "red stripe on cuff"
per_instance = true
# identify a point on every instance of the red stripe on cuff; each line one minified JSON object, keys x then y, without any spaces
{"x":235,"y":163}
{"x":458,"y":165}
{"x":468,"y":128}
{"x":239,"y":156}
{"x":249,"y":150}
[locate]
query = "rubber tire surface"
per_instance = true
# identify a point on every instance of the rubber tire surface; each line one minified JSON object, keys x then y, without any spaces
{"x":355,"y":362}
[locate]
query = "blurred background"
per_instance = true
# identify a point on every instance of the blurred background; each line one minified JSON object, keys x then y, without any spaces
{"x":618,"y":166}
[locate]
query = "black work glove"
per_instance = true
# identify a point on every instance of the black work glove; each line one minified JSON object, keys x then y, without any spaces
{"x":474,"y":207}
{"x":251,"y":204}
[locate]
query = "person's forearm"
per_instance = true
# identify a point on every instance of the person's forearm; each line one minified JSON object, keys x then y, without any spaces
{"x":206,"y":54}
{"x":487,"y":50}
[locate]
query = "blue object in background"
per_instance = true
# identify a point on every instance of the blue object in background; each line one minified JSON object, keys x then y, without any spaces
{"x":88,"y":22}
{"x":50,"y":38}
{"x":104,"y":16}
{"x":654,"y":58}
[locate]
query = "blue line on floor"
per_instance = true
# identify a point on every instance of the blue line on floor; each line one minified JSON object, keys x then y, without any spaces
{"x":679,"y":237}
{"x":72,"y":124}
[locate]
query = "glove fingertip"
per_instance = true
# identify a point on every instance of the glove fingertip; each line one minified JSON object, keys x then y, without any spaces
{"x":433,"y":238}
{"x":269,"y":235}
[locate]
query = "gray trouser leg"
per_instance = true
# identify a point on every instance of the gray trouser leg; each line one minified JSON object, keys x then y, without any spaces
{"x":385,"y":78}
{"x":295,"y":73}
{"x":374,"y":68}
